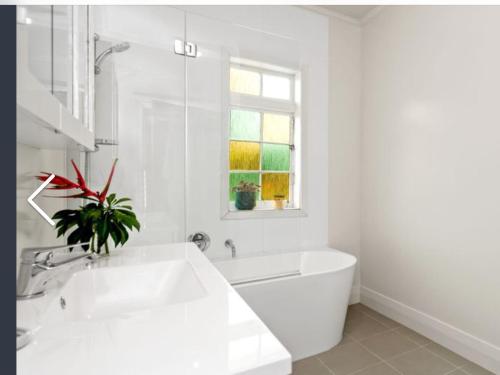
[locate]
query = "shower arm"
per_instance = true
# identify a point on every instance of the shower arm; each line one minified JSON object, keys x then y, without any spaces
{"x":102,"y":56}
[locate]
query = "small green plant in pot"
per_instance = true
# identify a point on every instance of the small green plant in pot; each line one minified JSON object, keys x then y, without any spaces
{"x":246,"y":195}
{"x":104,"y":217}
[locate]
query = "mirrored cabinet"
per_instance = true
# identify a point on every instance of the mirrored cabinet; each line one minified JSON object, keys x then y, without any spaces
{"x":55,"y":76}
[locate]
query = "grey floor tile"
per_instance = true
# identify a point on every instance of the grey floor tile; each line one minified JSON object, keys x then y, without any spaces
{"x":354,"y":313}
{"x":388,"y":344}
{"x":357,"y":307}
{"x":345,"y":359}
{"x":345,"y":340}
{"x":309,"y":366}
{"x":363,"y":327}
{"x":380,"y":369}
{"x":473,"y":369}
{"x":447,"y":354}
{"x":381,"y":318}
{"x":412,"y":335}
{"x":421,"y":362}
{"x":369,"y":336}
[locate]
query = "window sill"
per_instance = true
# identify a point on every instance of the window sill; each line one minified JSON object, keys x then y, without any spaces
{"x":264,"y":214}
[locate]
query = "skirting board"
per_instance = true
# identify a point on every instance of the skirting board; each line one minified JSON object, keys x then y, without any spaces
{"x":468,"y":346}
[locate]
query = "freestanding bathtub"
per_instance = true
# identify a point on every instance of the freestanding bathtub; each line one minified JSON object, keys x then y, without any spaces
{"x":302,"y":296}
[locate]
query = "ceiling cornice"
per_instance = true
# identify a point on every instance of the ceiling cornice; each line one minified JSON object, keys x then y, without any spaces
{"x":359,"y":22}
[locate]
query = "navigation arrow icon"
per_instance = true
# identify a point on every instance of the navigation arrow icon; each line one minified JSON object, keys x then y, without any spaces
{"x":35,"y":206}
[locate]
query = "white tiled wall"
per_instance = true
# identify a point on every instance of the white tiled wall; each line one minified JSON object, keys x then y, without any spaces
{"x":150,"y":97}
{"x":284,"y":36}
{"x":32,"y":229}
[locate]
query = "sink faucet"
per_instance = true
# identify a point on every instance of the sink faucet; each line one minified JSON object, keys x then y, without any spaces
{"x":230,"y":245}
{"x":40,"y":264}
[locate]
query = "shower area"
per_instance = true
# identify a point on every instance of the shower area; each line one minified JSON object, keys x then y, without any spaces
{"x":164,"y":107}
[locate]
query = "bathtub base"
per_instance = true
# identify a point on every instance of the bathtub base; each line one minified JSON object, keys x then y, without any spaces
{"x":305,"y":312}
{"x":307,"y":316}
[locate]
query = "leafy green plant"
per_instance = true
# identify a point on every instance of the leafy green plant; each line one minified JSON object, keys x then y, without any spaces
{"x":244,"y":186}
{"x":94,"y":223}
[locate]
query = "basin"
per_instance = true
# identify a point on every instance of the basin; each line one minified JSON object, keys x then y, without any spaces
{"x":111,"y":292}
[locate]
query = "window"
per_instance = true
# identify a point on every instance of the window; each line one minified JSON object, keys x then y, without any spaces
{"x":263,"y":134}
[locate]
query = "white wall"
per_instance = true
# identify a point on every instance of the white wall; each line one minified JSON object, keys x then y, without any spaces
{"x":431,"y":167}
{"x":281,"y":35}
{"x":344,"y":141}
{"x":32,"y":229}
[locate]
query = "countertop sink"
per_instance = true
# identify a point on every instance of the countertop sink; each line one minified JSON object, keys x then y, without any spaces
{"x":148,"y":310}
{"x":112,"y":292}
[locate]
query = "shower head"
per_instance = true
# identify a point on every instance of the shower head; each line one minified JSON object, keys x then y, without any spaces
{"x":117,"y":48}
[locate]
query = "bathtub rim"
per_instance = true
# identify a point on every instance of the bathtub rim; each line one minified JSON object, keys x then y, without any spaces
{"x":261,"y":254}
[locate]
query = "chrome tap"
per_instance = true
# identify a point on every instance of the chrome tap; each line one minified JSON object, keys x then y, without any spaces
{"x":40,"y":264}
{"x":201,"y":239}
{"x":230,"y":245}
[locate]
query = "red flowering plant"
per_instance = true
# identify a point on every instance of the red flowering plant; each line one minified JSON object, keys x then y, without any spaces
{"x":105,"y":216}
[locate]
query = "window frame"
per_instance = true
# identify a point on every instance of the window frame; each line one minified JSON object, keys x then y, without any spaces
{"x":261,"y":104}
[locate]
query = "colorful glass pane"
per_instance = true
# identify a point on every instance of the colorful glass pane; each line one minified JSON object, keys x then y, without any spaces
{"x":244,"y":155}
{"x":275,"y":157}
{"x":245,"y":125}
{"x":276,"y":128}
{"x":244,"y":81}
{"x":236,"y":178}
{"x":277,"y":87}
{"x":275,"y":186}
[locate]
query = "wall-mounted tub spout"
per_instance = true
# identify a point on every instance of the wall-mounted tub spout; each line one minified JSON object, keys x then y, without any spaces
{"x":230,"y":245}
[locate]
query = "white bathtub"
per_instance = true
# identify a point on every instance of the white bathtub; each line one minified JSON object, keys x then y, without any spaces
{"x":301,"y":296}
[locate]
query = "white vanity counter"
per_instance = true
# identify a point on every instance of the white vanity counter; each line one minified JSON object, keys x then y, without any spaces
{"x":151,"y":310}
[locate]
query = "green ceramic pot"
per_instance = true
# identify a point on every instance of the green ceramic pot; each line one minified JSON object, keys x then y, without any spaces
{"x":245,"y":200}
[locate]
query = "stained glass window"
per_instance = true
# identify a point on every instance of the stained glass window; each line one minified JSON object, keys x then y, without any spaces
{"x":244,"y":155}
{"x":245,"y":125}
{"x":275,"y":186}
{"x":275,"y":157}
{"x":245,"y":81}
{"x":276,"y":128}
{"x":236,"y":178}
{"x":261,"y":149}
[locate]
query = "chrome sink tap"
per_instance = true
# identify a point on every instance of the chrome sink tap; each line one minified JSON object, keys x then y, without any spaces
{"x":230,"y":245}
{"x":41,"y":264}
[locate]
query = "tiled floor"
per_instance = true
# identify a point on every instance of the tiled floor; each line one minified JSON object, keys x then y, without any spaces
{"x":376,"y":345}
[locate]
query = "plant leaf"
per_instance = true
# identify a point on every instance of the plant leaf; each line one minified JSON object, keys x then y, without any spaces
{"x":125,"y":199}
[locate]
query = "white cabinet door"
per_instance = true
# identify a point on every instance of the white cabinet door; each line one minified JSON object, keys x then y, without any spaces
{"x":83,"y":67}
{"x":55,"y":83}
{"x":62,"y":55}
{"x":36,"y":23}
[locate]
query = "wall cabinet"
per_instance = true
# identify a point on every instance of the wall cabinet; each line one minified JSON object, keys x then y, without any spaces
{"x":55,"y":76}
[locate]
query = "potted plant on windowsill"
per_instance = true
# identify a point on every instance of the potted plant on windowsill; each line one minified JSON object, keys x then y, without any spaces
{"x":246,"y":195}
{"x":105,"y":216}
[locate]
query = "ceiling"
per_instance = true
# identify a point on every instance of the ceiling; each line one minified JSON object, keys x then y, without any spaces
{"x":354,"y":11}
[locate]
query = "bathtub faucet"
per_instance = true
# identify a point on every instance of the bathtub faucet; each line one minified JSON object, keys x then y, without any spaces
{"x":230,"y":245}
